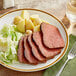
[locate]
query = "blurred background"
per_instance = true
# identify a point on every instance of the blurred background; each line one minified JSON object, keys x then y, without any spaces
{"x":56,"y":7}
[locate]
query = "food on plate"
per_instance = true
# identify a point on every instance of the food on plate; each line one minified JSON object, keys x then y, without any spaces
{"x":21,"y":26}
{"x":37,"y":28}
{"x":28,"y":32}
{"x":45,"y":21}
{"x":31,"y":22}
{"x":33,"y":17}
{"x":53,"y":35}
{"x":25,"y":14}
{"x":3,"y":44}
{"x":9,"y":37}
{"x":17,"y":19}
{"x":29,"y":25}
{"x":36,"y":20}
{"x":35,"y":51}
{"x":48,"y":53}
{"x":20,"y":52}
{"x":20,"y":23}
{"x":28,"y":53}
{"x":30,"y":40}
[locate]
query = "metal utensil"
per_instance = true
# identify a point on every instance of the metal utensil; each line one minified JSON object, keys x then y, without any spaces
{"x":71,"y":55}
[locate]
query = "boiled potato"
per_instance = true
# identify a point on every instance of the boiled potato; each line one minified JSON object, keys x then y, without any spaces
{"x":17,"y":19}
{"x":25,"y":14}
{"x":28,"y":32}
{"x":37,"y":28}
{"x":29,"y":25}
{"x":36,"y":20}
{"x":32,"y":17}
{"x":44,"y":21}
{"x":21,"y":26}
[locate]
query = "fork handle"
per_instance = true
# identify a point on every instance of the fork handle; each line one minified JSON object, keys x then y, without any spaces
{"x":58,"y":74}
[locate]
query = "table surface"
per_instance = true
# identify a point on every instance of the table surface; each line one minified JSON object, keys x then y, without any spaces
{"x":55,"y":7}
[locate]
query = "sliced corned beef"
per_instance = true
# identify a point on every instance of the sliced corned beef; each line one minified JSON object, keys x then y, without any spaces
{"x":48,"y":53}
{"x":35,"y":50}
{"x":28,"y":52}
{"x":51,"y":36}
{"x":20,"y":54}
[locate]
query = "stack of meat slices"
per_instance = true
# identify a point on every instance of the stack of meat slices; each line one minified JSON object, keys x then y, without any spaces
{"x":40,"y":46}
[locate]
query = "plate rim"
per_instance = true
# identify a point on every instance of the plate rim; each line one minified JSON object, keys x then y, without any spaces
{"x":44,"y":67}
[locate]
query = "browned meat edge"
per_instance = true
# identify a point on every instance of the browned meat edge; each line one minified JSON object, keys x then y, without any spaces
{"x":56,"y":41}
{"x":20,"y":53}
{"x":28,"y":53}
{"x":35,"y":50}
{"x":48,"y":53}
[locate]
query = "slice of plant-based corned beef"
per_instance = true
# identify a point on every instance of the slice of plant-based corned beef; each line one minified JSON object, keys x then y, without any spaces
{"x":48,"y":53}
{"x":20,"y":53}
{"x":28,"y":53}
{"x":35,"y":50}
{"x":51,"y":36}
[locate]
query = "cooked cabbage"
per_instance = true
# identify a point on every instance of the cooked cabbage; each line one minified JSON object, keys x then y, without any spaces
{"x":9,"y":37}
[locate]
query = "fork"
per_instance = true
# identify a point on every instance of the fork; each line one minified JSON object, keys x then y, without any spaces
{"x":71,"y":55}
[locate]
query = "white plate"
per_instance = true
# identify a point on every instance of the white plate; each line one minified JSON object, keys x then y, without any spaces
{"x":8,"y":17}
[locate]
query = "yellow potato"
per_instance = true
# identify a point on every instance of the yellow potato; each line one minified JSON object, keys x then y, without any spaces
{"x":21,"y":26}
{"x":28,"y":32}
{"x":36,"y":20}
{"x":17,"y":19}
{"x":44,"y":21}
{"x":29,"y":25}
{"x":25,"y":14}
{"x":37,"y":28}
{"x":32,"y":17}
